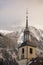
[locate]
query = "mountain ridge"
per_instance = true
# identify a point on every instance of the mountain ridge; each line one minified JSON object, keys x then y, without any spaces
{"x":35,"y":34}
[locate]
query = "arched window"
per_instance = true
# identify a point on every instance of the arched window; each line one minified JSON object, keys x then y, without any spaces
{"x":22,"y":50}
{"x":31,"y":50}
{"x":22,"y":56}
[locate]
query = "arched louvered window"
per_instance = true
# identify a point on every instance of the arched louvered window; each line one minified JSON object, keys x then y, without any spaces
{"x":22,"y":50}
{"x":31,"y":50}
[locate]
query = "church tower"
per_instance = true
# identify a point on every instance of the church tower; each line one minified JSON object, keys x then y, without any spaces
{"x":27,"y":49}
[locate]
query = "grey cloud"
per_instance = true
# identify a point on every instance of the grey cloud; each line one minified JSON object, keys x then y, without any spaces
{"x":13,"y":13}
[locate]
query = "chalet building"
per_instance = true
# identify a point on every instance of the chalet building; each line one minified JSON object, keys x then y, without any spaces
{"x":27,"y":50}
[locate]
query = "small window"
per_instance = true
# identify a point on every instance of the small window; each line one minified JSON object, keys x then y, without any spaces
{"x":31,"y":50}
{"x":22,"y":50}
{"x":41,"y":53}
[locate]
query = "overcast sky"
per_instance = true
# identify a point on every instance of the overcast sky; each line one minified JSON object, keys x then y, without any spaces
{"x":13,"y":13}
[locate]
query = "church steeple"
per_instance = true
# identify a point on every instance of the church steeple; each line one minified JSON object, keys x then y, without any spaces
{"x":26,"y":18}
{"x":26,"y":31}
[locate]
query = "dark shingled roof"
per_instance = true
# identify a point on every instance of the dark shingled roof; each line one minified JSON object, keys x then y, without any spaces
{"x":28,"y":43}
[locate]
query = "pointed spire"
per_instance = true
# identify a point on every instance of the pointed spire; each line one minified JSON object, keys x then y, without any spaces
{"x":26,"y":18}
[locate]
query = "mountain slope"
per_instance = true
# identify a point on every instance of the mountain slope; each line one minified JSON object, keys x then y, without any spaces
{"x":14,"y":37}
{"x":5,"y":41}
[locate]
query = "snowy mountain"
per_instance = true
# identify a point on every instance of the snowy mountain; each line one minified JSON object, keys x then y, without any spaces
{"x":5,"y":32}
{"x":5,"y":41}
{"x":35,"y":34}
{"x":38,"y":35}
{"x":14,"y":37}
